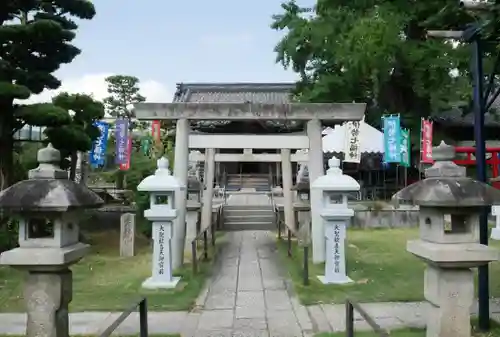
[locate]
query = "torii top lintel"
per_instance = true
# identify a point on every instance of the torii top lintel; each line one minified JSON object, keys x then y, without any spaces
{"x":250,"y":111}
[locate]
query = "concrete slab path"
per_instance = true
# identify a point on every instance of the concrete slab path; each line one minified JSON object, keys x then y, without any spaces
{"x":248,"y":295}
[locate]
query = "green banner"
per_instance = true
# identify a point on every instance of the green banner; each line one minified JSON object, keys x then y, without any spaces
{"x":146,"y":145}
{"x":405,"y":147}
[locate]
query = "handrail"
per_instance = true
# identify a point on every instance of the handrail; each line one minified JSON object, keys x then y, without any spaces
{"x":204,"y":233}
{"x":350,"y":306}
{"x":291,"y":232}
{"x":143,"y":319}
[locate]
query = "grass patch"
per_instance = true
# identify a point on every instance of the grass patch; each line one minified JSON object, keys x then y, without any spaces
{"x":494,"y":332}
{"x":379,"y":264}
{"x":161,"y":335}
{"x":104,"y":281}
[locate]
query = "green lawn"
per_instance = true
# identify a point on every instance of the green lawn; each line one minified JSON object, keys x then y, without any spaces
{"x":494,"y":332}
{"x":104,"y":281}
{"x":379,"y":264}
{"x":168,"y":335}
{"x":395,"y":333}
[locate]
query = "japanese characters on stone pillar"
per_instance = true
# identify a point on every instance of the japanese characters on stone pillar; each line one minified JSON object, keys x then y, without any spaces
{"x":127,"y":235}
{"x":48,"y":206}
{"x":334,"y":187}
{"x":450,"y":249}
{"x":162,"y":187}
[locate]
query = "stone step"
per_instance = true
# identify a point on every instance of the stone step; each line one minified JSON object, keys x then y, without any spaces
{"x":249,"y":225}
{"x":250,"y":208}
{"x":243,"y":217}
{"x":247,"y":184}
{"x":247,"y":215}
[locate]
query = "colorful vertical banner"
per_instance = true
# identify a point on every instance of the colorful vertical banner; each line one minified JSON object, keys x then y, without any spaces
{"x":352,"y":148}
{"x":392,"y":139}
{"x":97,"y":154}
{"x":405,"y":148}
{"x":121,"y":135}
{"x":146,"y":143}
{"x":156,"y":131}
{"x":426,"y":142}
{"x":125,"y":166}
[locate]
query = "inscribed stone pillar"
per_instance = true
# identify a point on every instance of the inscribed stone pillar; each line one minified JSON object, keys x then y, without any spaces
{"x":315,"y":168}
{"x":208,"y":194}
{"x":127,"y":235}
{"x":286,"y":165}
{"x":181,"y":173}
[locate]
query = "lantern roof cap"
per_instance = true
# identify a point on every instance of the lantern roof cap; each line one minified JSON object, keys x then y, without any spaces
{"x":446,"y":185}
{"x":48,"y":189}
{"x":162,"y":180}
{"x":335,"y":179}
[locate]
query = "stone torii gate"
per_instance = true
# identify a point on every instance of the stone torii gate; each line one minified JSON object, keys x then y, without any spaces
{"x":312,"y":113}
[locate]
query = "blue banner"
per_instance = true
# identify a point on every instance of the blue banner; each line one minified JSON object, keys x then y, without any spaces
{"x":392,"y":139}
{"x":121,"y":137}
{"x":98,"y":151}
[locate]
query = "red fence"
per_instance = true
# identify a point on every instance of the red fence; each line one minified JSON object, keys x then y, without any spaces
{"x":491,"y":159}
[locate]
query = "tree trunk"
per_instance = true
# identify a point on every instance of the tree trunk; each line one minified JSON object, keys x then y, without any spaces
{"x":72,"y":166}
{"x":6,"y":151}
{"x":120,"y":179}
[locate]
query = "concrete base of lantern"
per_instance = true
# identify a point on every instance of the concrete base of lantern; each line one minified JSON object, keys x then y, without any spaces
{"x":337,"y":280}
{"x":495,"y":233}
{"x":152,"y":283}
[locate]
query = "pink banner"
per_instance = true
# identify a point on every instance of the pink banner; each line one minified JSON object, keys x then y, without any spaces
{"x":155,"y":131}
{"x":126,"y":165}
{"x":426,"y":142}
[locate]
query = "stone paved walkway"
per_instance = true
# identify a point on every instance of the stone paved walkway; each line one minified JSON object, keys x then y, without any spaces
{"x":248,"y":295}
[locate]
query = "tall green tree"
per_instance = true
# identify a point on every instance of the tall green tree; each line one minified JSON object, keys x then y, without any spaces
{"x":81,"y":132}
{"x":36,"y":38}
{"x":123,"y":92}
{"x":377,"y":51}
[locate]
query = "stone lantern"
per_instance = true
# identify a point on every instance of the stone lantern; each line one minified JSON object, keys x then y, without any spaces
{"x":335,"y":187}
{"x":194,"y":190}
{"x":162,"y":187}
{"x":450,"y":248}
{"x":302,"y":207}
{"x":48,"y":206}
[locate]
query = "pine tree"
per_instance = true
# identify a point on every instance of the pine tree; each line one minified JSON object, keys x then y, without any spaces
{"x":123,"y":92}
{"x":36,"y":40}
{"x":78,"y":135}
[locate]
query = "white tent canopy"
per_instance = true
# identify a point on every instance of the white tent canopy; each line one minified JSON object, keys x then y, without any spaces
{"x":371,"y":139}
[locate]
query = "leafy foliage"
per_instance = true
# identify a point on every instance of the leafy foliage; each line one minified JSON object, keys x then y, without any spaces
{"x":79,"y":134}
{"x":376,"y":51}
{"x":36,"y":39}
{"x":124,"y":91}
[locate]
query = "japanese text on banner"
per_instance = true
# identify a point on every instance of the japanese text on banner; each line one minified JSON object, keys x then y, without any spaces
{"x":98,"y":151}
{"x":121,"y":136}
{"x":126,"y":166}
{"x":392,"y":139}
{"x":426,"y":142}
{"x":405,"y":148}
{"x":352,"y":148}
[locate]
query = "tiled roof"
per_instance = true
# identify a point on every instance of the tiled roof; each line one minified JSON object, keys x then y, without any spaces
{"x":456,"y":117}
{"x":234,"y":92}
